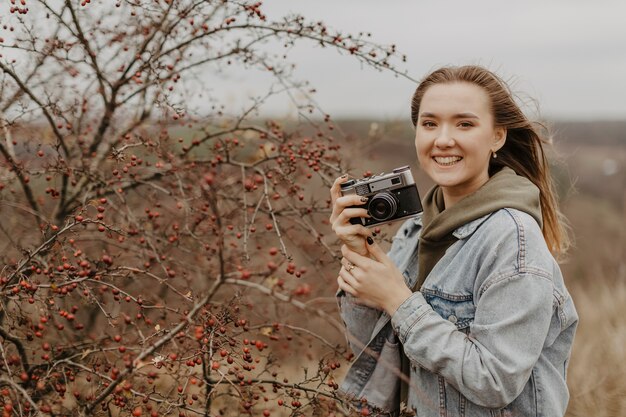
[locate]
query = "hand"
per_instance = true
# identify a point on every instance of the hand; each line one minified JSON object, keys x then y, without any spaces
{"x":375,"y":280}
{"x":352,"y":235}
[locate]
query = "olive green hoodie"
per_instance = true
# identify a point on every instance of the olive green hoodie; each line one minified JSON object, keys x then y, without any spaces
{"x":505,"y":189}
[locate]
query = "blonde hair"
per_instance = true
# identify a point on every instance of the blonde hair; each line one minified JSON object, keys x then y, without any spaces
{"x":523,"y":150}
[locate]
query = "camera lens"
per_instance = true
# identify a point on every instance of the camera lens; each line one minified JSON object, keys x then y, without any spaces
{"x":382,"y":206}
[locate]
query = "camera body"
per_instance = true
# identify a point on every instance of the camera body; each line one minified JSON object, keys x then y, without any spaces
{"x":391,"y":197}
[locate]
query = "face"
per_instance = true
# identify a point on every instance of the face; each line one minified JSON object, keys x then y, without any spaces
{"x":455,"y":137}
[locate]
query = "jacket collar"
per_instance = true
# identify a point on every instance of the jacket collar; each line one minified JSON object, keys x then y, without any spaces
{"x":462,"y":232}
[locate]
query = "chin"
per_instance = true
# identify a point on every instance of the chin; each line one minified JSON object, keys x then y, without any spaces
{"x":446,"y":179}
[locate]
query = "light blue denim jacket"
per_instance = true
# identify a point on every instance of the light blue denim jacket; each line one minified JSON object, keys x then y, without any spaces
{"x":489,"y":333}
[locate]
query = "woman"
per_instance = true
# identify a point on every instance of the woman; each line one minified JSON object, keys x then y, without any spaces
{"x":469,"y":303}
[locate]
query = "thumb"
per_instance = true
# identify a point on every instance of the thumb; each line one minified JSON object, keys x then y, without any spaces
{"x":375,"y":250}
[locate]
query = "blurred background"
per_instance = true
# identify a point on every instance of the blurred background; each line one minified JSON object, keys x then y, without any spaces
{"x":564,"y":60}
{"x":564,"y":56}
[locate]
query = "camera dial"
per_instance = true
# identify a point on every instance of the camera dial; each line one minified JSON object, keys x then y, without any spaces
{"x":347,"y":184}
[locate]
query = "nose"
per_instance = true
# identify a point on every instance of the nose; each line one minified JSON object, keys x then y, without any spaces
{"x":444,"y":139}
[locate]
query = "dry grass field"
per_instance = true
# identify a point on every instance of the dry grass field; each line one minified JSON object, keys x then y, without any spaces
{"x":596,"y":273}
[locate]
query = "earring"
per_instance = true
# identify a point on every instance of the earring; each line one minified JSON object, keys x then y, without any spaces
{"x":495,"y":155}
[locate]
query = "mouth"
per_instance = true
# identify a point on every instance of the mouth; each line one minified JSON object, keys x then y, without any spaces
{"x":447,"y":160}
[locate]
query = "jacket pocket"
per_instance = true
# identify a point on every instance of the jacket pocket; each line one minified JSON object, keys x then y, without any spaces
{"x":503,"y":412}
{"x":458,"y":309}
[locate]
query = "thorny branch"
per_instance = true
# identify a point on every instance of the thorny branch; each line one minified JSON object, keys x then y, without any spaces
{"x":138,"y":180}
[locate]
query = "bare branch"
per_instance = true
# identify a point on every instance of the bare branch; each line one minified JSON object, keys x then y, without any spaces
{"x":43,"y":108}
{"x":7,"y":382}
{"x":20,"y":348}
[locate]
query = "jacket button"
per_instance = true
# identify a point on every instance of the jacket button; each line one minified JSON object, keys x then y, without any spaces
{"x":452,"y":318}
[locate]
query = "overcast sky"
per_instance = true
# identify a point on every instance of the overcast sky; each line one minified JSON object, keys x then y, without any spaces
{"x":569,"y":55}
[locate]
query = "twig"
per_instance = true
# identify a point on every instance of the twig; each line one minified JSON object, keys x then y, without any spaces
{"x":47,"y":115}
{"x":16,"y":387}
{"x":288,"y":299}
{"x":41,"y":248}
{"x":283,"y":249}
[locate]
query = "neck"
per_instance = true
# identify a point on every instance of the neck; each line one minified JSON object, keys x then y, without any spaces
{"x":450,"y":198}
{"x":452,"y":195}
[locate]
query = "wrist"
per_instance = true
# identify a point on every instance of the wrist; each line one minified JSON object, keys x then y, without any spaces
{"x":396,"y":299}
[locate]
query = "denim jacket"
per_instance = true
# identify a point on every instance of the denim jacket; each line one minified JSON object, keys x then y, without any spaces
{"x":489,"y":333}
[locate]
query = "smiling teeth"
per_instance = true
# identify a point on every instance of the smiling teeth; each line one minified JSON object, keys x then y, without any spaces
{"x":447,"y":160}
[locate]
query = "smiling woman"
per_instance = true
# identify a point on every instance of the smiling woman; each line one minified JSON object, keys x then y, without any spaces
{"x":518,"y":141}
{"x":455,"y":136}
{"x":468,"y":314}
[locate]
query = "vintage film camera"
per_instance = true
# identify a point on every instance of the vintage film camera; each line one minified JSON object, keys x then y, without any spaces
{"x":391,"y":197}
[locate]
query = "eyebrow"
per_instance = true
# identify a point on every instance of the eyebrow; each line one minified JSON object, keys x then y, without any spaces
{"x":456,"y":116}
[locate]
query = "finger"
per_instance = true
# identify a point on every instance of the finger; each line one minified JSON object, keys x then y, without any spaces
{"x":348,"y":213}
{"x":376,"y":251}
{"x":350,"y":200}
{"x":345,"y":263}
{"x":349,"y":279}
{"x":355,"y":258}
{"x":343,"y":202}
{"x":344,"y":286}
{"x":351,"y":271}
{"x":335,"y":189}
{"x":345,"y":232}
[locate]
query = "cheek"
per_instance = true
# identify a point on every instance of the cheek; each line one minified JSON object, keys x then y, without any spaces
{"x":421,"y":148}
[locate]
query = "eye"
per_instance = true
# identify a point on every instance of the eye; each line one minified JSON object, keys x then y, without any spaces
{"x":466,"y":124}
{"x":428,"y":123}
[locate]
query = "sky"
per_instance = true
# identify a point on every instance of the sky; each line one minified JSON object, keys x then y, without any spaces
{"x":566,"y":59}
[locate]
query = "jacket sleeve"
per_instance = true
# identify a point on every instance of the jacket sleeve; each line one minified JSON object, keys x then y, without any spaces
{"x":360,"y":320}
{"x":491,"y":365}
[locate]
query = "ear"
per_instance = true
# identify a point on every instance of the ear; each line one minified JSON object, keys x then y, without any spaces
{"x":499,"y":139}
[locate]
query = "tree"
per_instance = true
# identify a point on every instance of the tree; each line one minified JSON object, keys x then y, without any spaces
{"x":160,"y":255}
